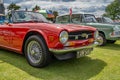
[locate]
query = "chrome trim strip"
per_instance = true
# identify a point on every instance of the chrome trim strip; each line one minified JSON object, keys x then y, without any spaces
{"x":69,"y":49}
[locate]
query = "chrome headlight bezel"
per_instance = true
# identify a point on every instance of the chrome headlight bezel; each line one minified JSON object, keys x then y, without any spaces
{"x":63,"y":37}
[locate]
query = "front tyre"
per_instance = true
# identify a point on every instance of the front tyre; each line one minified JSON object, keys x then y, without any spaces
{"x":36,"y":51}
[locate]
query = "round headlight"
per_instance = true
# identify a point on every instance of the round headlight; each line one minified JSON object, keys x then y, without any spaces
{"x":63,"y":37}
{"x":96,"y":34}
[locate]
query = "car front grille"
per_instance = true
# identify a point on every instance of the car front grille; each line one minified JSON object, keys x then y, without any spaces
{"x":80,"y":35}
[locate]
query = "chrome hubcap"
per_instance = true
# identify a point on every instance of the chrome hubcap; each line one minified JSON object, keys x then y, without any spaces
{"x":100,"y":40}
{"x":34,"y":52}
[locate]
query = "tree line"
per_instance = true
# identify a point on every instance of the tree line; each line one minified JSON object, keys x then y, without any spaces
{"x":14,"y":6}
{"x":112,"y":10}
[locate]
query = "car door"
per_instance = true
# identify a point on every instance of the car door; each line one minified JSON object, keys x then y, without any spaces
{"x":12,"y":36}
{"x":5,"y":36}
{"x":18,"y":32}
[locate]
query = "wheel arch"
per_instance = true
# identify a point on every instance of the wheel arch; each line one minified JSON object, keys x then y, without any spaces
{"x":102,"y":33}
{"x":33,"y":32}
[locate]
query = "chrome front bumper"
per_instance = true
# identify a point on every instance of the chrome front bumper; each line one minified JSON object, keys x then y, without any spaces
{"x":70,"y":49}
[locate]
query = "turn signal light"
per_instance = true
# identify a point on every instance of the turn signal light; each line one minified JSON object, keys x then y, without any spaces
{"x":51,"y":38}
{"x":91,"y":40}
{"x":71,"y":43}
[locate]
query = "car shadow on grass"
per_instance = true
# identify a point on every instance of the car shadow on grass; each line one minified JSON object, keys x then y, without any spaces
{"x":111,"y":46}
{"x":73,"y":69}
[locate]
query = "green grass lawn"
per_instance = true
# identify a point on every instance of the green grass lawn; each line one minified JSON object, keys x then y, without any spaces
{"x":102,"y":64}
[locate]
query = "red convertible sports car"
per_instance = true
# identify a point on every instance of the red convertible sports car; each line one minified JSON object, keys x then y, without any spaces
{"x":31,"y":34}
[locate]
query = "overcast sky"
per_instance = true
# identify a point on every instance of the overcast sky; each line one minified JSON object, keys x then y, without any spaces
{"x":86,"y":6}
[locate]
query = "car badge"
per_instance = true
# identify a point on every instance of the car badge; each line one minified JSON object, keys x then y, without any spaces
{"x":76,"y":37}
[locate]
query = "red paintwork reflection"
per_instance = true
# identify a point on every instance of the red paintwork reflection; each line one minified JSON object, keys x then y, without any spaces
{"x":12,"y":36}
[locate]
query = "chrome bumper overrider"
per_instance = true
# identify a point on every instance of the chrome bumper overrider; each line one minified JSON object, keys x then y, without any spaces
{"x":69,"y":49}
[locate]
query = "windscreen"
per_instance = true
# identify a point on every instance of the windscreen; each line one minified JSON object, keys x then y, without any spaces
{"x":24,"y":16}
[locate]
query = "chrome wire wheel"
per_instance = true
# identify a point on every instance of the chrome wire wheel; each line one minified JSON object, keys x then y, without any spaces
{"x":34,"y":51}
